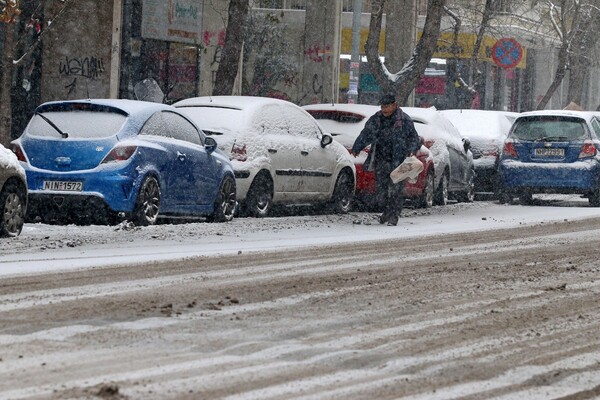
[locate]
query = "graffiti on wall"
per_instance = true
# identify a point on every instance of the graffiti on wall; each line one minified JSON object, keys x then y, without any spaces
{"x":91,"y":68}
{"x":319,"y":54}
{"x":88,"y":67}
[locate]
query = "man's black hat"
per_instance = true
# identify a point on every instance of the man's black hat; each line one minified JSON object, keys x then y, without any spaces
{"x":387,"y":99}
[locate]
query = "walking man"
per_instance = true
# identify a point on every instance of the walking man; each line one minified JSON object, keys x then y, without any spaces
{"x":392,"y":136}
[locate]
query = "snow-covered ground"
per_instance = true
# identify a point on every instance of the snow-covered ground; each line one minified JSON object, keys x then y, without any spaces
{"x":54,"y":247}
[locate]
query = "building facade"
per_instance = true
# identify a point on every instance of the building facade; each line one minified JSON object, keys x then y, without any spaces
{"x":97,"y":49}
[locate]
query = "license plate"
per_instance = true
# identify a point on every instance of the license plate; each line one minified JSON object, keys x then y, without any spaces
{"x":551,"y":152}
{"x":63,"y":186}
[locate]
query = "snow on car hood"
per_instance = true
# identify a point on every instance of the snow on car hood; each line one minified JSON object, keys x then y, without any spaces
{"x":8,"y":160}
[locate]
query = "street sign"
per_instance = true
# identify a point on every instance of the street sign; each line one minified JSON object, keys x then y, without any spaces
{"x":507,"y":53}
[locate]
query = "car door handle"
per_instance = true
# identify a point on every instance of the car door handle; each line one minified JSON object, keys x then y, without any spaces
{"x":181,"y":156}
{"x":272,"y":151}
{"x":304,"y":152}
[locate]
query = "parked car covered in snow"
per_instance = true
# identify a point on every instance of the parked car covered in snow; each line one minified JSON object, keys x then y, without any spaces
{"x":486,"y":130}
{"x":96,"y":160}
{"x":552,"y":151}
{"x":13,"y":194}
{"x":448,"y":163}
{"x":279,"y":153}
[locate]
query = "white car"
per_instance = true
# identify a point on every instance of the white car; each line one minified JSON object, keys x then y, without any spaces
{"x":13,"y":194}
{"x":279,"y":153}
{"x":453,"y":172}
{"x":486,"y":130}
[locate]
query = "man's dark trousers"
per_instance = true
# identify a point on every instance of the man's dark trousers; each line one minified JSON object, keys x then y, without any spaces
{"x":389,"y":195}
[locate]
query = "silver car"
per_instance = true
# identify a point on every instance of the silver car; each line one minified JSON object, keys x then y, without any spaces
{"x":13,"y":194}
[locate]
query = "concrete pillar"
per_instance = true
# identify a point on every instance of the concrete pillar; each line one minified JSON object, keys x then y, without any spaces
{"x":319,"y":81}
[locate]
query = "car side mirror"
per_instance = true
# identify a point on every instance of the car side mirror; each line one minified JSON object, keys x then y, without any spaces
{"x":210,"y":144}
{"x":466,"y":144}
{"x":326,"y":140}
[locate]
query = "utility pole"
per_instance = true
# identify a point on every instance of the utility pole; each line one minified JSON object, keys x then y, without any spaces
{"x":355,"y":58}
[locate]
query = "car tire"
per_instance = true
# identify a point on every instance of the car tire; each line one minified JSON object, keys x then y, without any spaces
{"x":594,"y":198}
{"x":147,"y":205}
{"x":225,"y":203}
{"x":426,"y":199}
{"x":12,"y":201}
{"x":259,"y":199}
{"x":525,"y":198}
{"x":504,"y":197}
{"x":441,"y":193}
{"x":343,"y":193}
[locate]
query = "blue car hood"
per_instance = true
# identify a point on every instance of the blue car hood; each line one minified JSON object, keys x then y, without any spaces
{"x":66,"y":155}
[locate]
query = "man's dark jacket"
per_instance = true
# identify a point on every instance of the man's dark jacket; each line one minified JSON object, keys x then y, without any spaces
{"x":403,"y":137}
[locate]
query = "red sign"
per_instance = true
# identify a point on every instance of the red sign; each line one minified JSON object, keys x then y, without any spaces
{"x":507,"y":53}
{"x":431,"y":85}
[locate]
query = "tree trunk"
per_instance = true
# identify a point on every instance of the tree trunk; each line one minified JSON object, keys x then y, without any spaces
{"x":6,"y":85}
{"x":584,"y":42}
{"x":230,"y":56}
{"x":404,"y":82}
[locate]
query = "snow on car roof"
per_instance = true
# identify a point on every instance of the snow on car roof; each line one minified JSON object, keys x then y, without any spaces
{"x":232,"y":115}
{"x":481,"y":123}
{"x":587,"y":115}
{"x":239,"y":102}
{"x":348,"y":131}
{"x":128,"y":106}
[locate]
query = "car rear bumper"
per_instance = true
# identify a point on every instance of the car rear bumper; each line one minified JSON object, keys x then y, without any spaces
{"x":114,"y":189}
{"x":577,"y":177}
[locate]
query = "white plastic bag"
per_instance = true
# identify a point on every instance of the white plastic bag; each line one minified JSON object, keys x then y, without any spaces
{"x":409,"y":169}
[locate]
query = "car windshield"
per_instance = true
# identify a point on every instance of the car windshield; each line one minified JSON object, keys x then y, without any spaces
{"x":76,"y":124}
{"x":549,"y":128}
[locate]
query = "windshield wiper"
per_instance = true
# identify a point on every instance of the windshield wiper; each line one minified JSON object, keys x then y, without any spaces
{"x":52,"y":124}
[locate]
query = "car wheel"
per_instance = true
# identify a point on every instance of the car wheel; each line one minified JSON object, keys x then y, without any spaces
{"x":12,"y":201}
{"x":525,"y":198}
{"x":426,"y":200}
{"x":225,"y":203}
{"x":594,"y":198}
{"x":504,"y":198}
{"x":343,"y":193}
{"x":148,"y":203}
{"x":441,"y":193}
{"x":259,"y":199}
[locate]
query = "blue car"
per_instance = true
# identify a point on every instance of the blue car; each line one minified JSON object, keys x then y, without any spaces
{"x":552,"y":152}
{"x":100,"y":161}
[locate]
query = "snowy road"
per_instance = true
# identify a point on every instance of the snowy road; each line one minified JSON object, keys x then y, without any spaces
{"x":468,"y":301}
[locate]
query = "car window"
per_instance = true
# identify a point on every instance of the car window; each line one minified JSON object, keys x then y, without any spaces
{"x":302,"y":124}
{"x":270,"y":119}
{"x":549,"y":128}
{"x":596,"y":127}
{"x":155,"y":125}
{"x":76,"y":124}
{"x":171,"y":125}
{"x":180,"y":128}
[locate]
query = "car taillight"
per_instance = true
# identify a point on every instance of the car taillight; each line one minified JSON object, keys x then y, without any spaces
{"x":119,"y":153}
{"x":238,"y":152}
{"x":587,"y":150}
{"x":509,"y":149}
{"x":15,"y":148}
